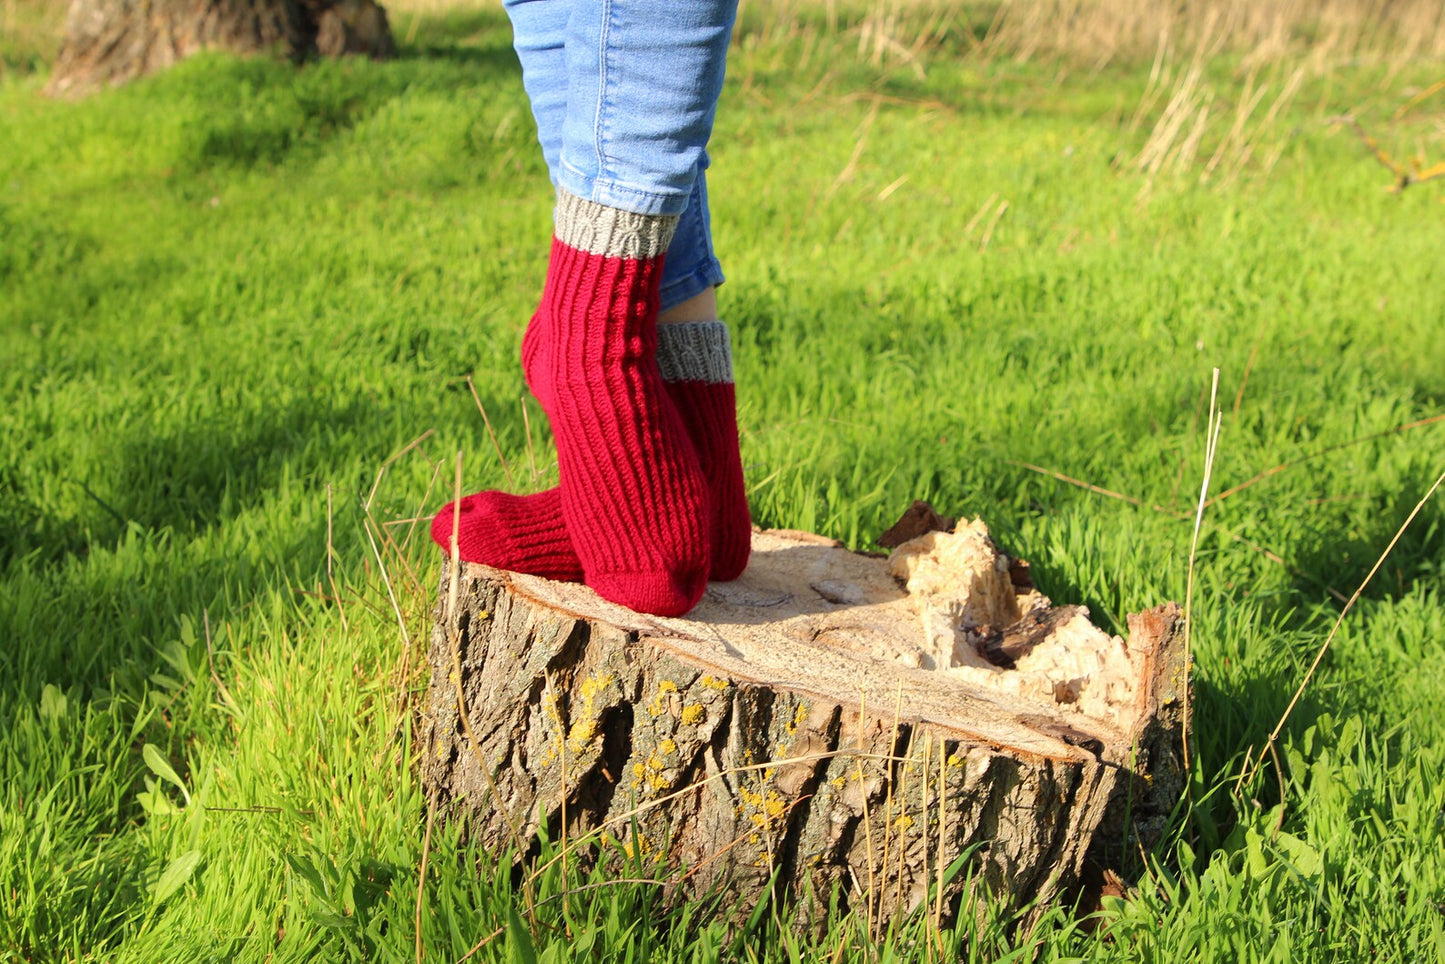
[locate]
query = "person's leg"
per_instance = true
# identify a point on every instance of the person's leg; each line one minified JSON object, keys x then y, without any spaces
{"x":695,"y":358}
{"x":527,"y":534}
{"x":696,"y":365}
{"x":643,"y":82}
{"x":524,"y":532}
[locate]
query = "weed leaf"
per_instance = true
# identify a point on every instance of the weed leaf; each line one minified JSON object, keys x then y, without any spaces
{"x":154,"y":801}
{"x":1304,"y":859}
{"x":162,"y":768}
{"x":174,"y":877}
{"x":306,"y":870}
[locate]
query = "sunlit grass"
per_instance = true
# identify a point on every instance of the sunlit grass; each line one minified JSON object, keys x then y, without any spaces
{"x":229,"y":294}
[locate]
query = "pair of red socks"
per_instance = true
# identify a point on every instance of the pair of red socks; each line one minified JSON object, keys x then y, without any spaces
{"x":651,"y":501}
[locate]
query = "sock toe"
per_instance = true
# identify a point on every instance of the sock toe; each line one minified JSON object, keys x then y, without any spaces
{"x":659,"y":593}
{"x":443,"y":523}
{"x":523,"y":533}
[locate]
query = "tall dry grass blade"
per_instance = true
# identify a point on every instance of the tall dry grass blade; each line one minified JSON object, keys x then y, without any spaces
{"x":531,"y":455}
{"x":1394,"y":32}
{"x":1089,"y":486}
{"x":1279,"y":560}
{"x":389,"y":543}
{"x":905,"y":823}
{"x":860,"y":143}
{"x":1267,"y":124}
{"x":331,"y":579}
{"x":1233,"y":142}
{"x":368,"y":523}
{"x":979,"y":215}
{"x":942,"y":838}
{"x":549,"y":700}
{"x":867,"y":815}
{"x":887,"y":192}
{"x":992,"y":224}
{"x":481,"y":944}
{"x":892,"y":783}
{"x":1417,"y":100}
{"x":1158,"y":79}
{"x":1216,"y":420}
{"x":1184,"y":158}
{"x":1186,"y":450}
{"x":1161,"y":143}
{"x":1248,"y":774}
{"x":420,"y":512}
{"x":724,"y":850}
{"x":923,"y":811}
{"x":227,"y":700}
{"x":390,"y":460}
{"x":1248,"y":367}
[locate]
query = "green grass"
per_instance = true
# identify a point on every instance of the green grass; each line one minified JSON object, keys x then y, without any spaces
{"x":231,"y":293}
{"x":29,"y":35}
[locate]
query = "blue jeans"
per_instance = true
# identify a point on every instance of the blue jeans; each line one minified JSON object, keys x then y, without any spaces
{"x":624,"y":93}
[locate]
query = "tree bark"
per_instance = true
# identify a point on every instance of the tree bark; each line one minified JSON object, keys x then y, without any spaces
{"x":829,"y":723}
{"x":110,"y":42}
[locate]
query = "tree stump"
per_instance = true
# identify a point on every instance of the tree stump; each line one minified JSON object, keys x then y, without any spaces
{"x":110,"y":42}
{"x":830,"y":723}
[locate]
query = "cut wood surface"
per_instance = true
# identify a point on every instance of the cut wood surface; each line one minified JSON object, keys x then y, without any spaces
{"x":829,"y":722}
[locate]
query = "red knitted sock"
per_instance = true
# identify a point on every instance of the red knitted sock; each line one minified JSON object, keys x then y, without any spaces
{"x":633,"y":494}
{"x":696,"y":362}
{"x":527,"y":534}
{"x":524,"y":533}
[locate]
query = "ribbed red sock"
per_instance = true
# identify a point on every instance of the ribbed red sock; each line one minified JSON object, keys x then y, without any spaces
{"x":634,"y":498}
{"x":709,"y":410}
{"x":695,"y":360}
{"x":631,"y":514}
{"x":523,"y":533}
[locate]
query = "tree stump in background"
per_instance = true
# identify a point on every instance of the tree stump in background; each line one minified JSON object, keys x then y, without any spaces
{"x":829,"y":722}
{"x":110,"y":42}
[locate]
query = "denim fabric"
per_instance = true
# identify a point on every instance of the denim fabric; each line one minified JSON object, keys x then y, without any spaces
{"x":624,"y":93}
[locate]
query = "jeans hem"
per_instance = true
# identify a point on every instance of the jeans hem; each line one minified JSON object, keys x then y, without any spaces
{"x":613,"y":195}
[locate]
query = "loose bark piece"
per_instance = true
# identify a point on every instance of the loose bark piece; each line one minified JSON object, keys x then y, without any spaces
{"x":828,"y":722}
{"x":918,"y":519}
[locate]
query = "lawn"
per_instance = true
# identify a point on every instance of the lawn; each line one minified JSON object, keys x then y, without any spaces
{"x":243,"y":309}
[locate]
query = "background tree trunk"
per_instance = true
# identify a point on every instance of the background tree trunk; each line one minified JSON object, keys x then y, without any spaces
{"x":109,"y":42}
{"x":829,"y":723}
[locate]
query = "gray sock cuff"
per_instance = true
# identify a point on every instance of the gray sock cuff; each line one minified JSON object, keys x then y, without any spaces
{"x":610,"y":232}
{"x":695,"y":351}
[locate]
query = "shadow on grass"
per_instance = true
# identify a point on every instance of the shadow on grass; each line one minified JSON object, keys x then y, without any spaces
{"x":181,"y":483}
{"x":212,"y":471}
{"x":250,"y":111}
{"x":1342,"y":557}
{"x":201,"y":520}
